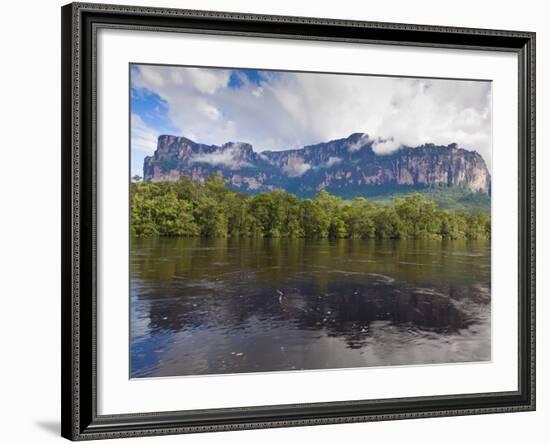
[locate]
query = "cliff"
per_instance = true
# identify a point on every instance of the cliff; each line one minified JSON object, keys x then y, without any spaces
{"x":346,"y":166}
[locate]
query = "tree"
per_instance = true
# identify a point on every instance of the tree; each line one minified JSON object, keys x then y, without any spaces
{"x":359,"y":219}
{"x":315,"y":221}
{"x":333,"y":208}
{"x":211,"y":209}
{"x":174,"y":217}
{"x":452,"y":226}
{"x":386,"y":223}
{"x":417,"y":216}
{"x":210,"y":218}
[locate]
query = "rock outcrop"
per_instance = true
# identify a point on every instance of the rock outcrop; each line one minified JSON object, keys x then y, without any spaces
{"x":346,"y":166}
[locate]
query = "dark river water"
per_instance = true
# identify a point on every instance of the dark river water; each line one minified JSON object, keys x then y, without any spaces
{"x":201,"y":306}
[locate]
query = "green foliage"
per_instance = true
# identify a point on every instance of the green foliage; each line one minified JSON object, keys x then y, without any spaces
{"x":155,"y":211}
{"x":446,"y":198}
{"x":359,"y":219}
{"x":210,"y":209}
{"x":417,"y":217}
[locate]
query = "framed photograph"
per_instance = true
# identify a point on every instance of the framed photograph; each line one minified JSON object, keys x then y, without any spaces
{"x":280,"y":221}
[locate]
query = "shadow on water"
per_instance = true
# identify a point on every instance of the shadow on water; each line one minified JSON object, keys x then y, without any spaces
{"x":222,"y":306}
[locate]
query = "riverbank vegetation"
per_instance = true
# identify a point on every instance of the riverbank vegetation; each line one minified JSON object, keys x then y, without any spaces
{"x":210,"y":209}
{"x":446,"y":198}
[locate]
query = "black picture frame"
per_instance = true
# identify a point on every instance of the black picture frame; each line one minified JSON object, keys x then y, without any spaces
{"x":80,"y":22}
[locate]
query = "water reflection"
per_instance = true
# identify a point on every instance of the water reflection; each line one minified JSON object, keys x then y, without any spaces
{"x":223,"y":306}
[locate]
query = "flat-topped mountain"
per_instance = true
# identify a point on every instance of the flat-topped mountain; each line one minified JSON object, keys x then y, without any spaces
{"x":345,"y":167}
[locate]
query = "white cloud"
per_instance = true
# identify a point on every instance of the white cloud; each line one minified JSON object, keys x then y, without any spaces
{"x":386,"y":146}
{"x":332,"y":161}
{"x":296,"y":167}
{"x":290,"y":110}
{"x":258,"y":92}
{"x":144,"y":138}
{"x":360,"y":143}
{"x":228,"y":157}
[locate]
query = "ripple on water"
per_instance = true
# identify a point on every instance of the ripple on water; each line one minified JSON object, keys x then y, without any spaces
{"x":319,"y":311}
{"x":382,"y":277}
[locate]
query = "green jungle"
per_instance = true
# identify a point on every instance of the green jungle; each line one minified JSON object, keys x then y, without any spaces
{"x":210,"y":209}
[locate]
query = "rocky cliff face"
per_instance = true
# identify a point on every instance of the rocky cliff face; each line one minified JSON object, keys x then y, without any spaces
{"x":345,"y":166}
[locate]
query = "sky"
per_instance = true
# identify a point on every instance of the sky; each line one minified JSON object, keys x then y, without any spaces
{"x":276,"y":110}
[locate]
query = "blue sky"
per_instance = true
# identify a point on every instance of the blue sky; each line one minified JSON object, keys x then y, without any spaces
{"x":275,"y":110}
{"x":252,"y":75}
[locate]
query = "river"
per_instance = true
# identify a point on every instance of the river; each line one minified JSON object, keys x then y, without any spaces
{"x":212,"y":306}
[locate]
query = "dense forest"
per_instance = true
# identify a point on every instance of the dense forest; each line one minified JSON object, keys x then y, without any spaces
{"x":210,"y":209}
{"x":446,"y":198}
